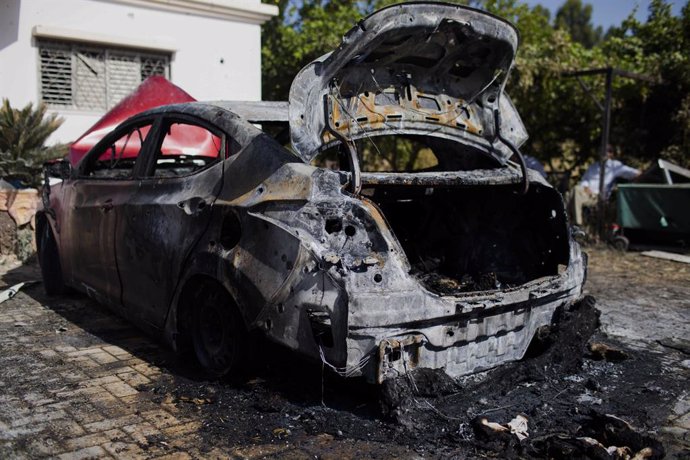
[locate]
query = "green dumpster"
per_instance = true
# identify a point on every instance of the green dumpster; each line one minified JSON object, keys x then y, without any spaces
{"x":655,"y":212}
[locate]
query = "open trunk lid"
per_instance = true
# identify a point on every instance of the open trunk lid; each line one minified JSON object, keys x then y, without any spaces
{"x":429,"y":69}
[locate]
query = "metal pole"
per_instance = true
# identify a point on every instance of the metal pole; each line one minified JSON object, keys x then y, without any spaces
{"x":603,"y":156}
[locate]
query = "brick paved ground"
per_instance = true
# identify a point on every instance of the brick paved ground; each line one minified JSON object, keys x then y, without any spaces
{"x":80,"y":397}
{"x":78,"y":382}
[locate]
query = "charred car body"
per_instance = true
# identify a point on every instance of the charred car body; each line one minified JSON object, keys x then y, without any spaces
{"x":200,"y":227}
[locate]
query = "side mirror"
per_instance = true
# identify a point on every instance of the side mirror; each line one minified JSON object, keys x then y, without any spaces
{"x":61,"y":169}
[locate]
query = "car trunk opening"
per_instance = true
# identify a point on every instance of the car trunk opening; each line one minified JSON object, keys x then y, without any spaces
{"x":477,"y":238}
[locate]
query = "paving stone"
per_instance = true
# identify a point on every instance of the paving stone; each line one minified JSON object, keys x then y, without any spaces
{"x":24,"y":431}
{"x":84,"y":362}
{"x":146,"y":370}
{"x":39,"y":418}
{"x":682,"y":406}
{"x":103,"y":358}
{"x":60,"y":405}
{"x":175,"y":456}
{"x":68,"y":429}
{"x":84,"y":351}
{"x":94,"y":439}
{"x":37,"y":399}
{"x":683,"y":421}
{"x":80,"y":391}
{"x":48,"y":354}
{"x":133,"y":378}
{"x":120,"y":389}
{"x":118,"y":352}
{"x":85,"y":413}
{"x":65,"y":348}
{"x":73,"y":376}
{"x":100,"y":381}
{"x":43,"y":446}
{"x":160,"y":418}
{"x":184,"y":428}
{"x":125,"y":450}
{"x":84,"y":454}
{"x":109,"y":424}
{"x":141,"y":433}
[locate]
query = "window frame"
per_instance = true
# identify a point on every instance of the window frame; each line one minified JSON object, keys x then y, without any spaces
{"x":97,"y":150}
{"x":147,"y":169}
{"x":73,"y":49}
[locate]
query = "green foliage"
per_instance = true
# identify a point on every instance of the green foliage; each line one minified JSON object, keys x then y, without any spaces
{"x":648,"y":119}
{"x":576,"y":19}
{"x":23,"y":133}
{"x":299,"y":34}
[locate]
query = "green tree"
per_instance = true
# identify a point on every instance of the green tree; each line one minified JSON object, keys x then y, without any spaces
{"x":300,"y":33}
{"x":576,"y":18}
{"x":564,"y":124}
{"x":23,"y":133}
{"x":652,"y":120}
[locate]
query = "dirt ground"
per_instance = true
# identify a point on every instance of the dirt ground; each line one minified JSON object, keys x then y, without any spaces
{"x":78,"y":382}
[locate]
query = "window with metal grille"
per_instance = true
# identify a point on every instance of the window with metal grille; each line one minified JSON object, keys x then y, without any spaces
{"x":87,"y":77}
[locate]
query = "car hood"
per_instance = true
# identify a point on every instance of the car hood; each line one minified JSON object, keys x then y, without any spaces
{"x":429,"y":69}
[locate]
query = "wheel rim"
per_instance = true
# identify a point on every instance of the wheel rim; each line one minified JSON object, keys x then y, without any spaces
{"x":215,"y":336}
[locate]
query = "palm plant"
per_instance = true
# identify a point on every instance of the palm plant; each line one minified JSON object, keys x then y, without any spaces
{"x":23,"y":133}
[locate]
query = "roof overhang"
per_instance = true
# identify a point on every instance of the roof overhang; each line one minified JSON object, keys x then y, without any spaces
{"x":252,"y":12}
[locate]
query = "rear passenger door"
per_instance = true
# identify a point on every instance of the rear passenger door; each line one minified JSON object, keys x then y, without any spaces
{"x":167,"y":215}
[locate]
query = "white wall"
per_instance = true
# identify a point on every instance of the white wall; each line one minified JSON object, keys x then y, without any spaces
{"x":200,"y":42}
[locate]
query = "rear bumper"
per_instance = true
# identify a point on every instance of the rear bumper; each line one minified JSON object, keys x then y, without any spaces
{"x":477,"y":332}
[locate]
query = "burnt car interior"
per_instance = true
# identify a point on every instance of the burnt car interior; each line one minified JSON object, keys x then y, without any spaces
{"x":460,"y":238}
{"x":476,"y":238}
{"x":118,"y":157}
{"x":185,"y":148}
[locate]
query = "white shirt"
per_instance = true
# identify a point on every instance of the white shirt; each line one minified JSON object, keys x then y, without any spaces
{"x":614,"y":169}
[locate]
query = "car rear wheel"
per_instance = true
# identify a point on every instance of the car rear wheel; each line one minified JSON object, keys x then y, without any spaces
{"x":219,"y":337}
{"x":49,"y":260}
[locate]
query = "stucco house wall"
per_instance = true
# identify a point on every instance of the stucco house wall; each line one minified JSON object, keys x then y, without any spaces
{"x":214,"y":45}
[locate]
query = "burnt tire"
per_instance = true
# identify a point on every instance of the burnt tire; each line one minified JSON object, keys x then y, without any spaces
{"x":49,"y":260}
{"x":219,"y":338}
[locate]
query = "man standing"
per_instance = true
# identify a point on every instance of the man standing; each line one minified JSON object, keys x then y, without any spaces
{"x":586,"y":192}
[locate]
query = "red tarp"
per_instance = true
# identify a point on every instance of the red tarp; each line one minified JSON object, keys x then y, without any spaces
{"x":153,"y":92}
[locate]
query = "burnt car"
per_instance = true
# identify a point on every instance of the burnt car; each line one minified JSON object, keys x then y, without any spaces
{"x":201,"y":227}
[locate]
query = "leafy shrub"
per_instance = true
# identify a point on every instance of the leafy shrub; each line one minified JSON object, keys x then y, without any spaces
{"x":23,"y":133}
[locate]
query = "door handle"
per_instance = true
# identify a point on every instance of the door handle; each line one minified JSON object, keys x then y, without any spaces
{"x":107,"y":205}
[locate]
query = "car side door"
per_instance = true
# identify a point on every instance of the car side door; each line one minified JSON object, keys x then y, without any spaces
{"x":103,"y":181}
{"x":170,"y":210}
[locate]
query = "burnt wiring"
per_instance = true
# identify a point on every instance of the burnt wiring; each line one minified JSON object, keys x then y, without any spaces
{"x":355,"y":172}
{"x":346,"y":371}
{"x":523,"y":166}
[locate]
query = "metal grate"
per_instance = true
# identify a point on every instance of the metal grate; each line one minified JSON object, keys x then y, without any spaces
{"x":94,"y":78}
{"x":123,"y":75}
{"x":89,"y":82}
{"x":155,"y":65}
{"x":56,"y":75}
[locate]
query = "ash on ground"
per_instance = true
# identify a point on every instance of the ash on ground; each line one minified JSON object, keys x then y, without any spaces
{"x":574,"y":401}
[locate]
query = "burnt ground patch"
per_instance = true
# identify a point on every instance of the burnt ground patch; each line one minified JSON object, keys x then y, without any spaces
{"x":123,"y":395}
